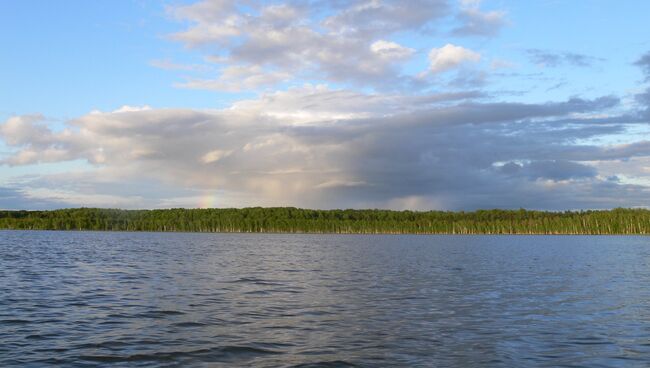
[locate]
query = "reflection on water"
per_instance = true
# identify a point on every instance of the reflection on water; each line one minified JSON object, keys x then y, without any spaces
{"x":261,"y":300}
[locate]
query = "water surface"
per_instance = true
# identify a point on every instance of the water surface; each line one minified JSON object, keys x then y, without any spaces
{"x":261,"y":300}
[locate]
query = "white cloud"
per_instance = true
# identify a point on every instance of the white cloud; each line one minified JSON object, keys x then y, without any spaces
{"x":450,"y":56}
{"x":391,"y":50}
{"x":18,"y":130}
{"x":127,"y":108}
{"x":319,"y":104}
{"x":214,"y":156}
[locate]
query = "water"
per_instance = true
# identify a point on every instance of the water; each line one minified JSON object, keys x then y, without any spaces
{"x":259,"y":300}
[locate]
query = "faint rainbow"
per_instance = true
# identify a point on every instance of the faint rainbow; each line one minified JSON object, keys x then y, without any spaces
{"x":208,"y":201}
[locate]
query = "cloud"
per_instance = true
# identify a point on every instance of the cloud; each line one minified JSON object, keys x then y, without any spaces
{"x":309,"y":104}
{"x":391,"y":50}
{"x":501,"y":64}
{"x":167,"y":64}
{"x":450,"y":56}
{"x":127,"y":108}
{"x":474,"y":22}
{"x":643,"y":98}
{"x":21,"y":129}
{"x":318,"y":147}
{"x":214,"y":156}
{"x":644,"y":64}
{"x":555,"y":59}
{"x":16,"y":199}
{"x":376,"y":18}
{"x":261,"y":45}
{"x":239,"y":78}
{"x":385,"y":137}
{"x":555,"y":170}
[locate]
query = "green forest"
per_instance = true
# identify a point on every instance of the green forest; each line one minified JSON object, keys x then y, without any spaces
{"x":296,"y":220}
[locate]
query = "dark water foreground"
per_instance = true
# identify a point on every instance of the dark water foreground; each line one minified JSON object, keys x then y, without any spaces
{"x":237,"y":300}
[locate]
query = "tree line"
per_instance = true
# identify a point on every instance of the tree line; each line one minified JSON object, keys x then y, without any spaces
{"x":296,"y":220}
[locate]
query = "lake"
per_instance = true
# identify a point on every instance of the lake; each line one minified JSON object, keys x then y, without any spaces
{"x":270,"y":300}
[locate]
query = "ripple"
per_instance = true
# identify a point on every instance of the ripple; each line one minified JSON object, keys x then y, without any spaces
{"x":217,"y":353}
{"x":189,"y":324}
{"x":158,"y":314}
{"x":41,"y":336}
{"x":326,"y":364}
{"x":322,"y":301}
{"x":15,"y":322}
{"x":106,"y":345}
{"x":254,"y":280}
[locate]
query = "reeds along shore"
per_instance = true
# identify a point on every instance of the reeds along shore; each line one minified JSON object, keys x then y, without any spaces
{"x":295,"y":220}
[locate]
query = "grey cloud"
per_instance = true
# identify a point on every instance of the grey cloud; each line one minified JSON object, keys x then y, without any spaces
{"x":16,"y":199}
{"x":553,"y":170}
{"x":555,"y":59}
{"x":474,"y":22}
{"x":102,"y":187}
{"x":643,"y":98}
{"x":10,"y":198}
{"x":371,"y":18}
{"x":644,"y":64}
{"x":475,"y":113}
{"x":556,"y":86}
{"x":325,"y":148}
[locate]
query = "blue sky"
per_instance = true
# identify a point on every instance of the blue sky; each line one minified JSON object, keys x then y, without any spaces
{"x":424,"y":104}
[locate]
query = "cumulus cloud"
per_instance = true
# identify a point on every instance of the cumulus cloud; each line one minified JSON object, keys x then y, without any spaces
{"x":450,"y":56}
{"x":391,"y":50}
{"x":18,"y":130}
{"x":259,"y":45}
{"x":265,"y":44}
{"x":354,"y":150}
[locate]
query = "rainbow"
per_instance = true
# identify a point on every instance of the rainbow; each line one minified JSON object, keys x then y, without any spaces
{"x":208,"y":201}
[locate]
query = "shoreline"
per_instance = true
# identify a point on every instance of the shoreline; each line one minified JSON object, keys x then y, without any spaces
{"x":290,"y":220}
{"x":320,"y":233}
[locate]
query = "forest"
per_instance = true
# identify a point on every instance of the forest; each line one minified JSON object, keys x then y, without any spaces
{"x":349,"y":221}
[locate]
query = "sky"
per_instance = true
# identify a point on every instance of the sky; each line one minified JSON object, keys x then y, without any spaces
{"x":419,"y":105}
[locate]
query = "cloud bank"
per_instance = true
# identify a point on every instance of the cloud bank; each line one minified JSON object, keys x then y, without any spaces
{"x":350,"y":150}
